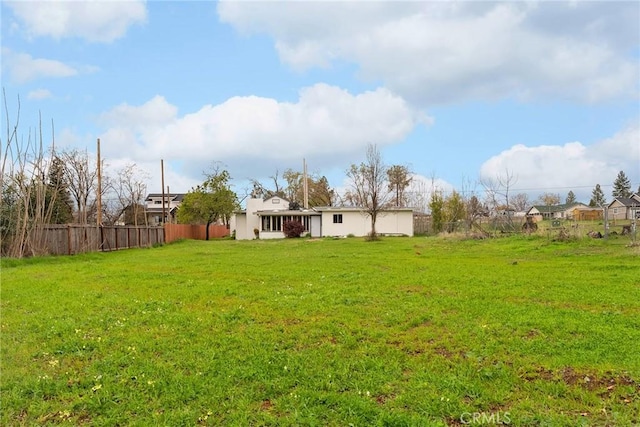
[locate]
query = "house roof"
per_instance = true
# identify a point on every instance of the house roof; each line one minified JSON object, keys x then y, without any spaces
{"x":158,"y":210}
{"x":357,"y":209}
{"x":627,"y":202}
{"x":555,"y":208}
{"x":287,"y":212}
{"x":176,"y":197}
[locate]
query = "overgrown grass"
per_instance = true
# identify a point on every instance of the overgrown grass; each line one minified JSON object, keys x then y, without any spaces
{"x":404,"y":331}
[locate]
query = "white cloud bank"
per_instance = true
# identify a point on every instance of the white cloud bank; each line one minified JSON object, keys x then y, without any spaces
{"x":441,"y":52}
{"x":23,"y":68}
{"x":95,"y":21}
{"x":254,"y":136}
{"x":39,"y":94}
{"x":573,"y":166}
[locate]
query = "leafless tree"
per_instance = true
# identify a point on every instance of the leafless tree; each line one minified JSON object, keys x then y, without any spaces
{"x":25,"y":201}
{"x":130,"y":189}
{"x":498,"y":195}
{"x":83,"y":179}
{"x":548,"y":199}
{"x":520,"y":201}
{"x":369,"y":189}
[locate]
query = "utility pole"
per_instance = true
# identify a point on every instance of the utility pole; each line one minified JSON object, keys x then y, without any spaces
{"x":99,"y":199}
{"x":305,"y":185}
{"x":163,"y":206}
{"x":169,"y":203}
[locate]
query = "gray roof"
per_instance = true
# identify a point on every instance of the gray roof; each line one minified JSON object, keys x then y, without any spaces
{"x":177,"y":197}
{"x":628,"y":202}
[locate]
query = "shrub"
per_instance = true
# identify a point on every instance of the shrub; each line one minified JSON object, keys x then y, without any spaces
{"x":292,"y":228}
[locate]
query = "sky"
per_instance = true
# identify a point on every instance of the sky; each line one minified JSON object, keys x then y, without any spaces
{"x":462,"y":93}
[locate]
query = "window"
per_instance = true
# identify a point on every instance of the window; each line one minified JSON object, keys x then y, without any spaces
{"x":274,"y":222}
{"x":337,"y":218}
{"x":157,"y":202}
{"x":271,"y":223}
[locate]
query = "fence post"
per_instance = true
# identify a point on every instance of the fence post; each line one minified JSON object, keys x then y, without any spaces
{"x":68,"y":240}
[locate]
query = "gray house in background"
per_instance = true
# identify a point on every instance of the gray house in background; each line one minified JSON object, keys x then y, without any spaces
{"x":153,"y":207}
{"x":625,"y":208}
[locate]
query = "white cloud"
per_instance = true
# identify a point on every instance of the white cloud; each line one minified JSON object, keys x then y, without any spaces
{"x":39,"y":94}
{"x":23,"y":68}
{"x":438,"y":52}
{"x":572,"y":166}
{"x":254,"y":135}
{"x":95,"y":21}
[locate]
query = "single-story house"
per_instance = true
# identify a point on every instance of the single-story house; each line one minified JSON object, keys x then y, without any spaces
{"x":153,"y":207}
{"x":563,"y":211}
{"x":264,"y":219}
{"x":625,"y":208}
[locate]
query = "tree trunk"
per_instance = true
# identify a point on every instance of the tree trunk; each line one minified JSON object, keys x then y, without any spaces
{"x":207,"y":230}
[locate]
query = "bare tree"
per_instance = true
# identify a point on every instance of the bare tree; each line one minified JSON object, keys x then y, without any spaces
{"x":130,"y":188}
{"x":520,"y":201}
{"x":82,"y":173}
{"x":369,"y":188}
{"x":26,"y":193}
{"x":498,"y":196}
{"x":548,"y":199}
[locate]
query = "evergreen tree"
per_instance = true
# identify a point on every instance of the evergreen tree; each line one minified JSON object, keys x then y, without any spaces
{"x":454,"y":210}
{"x":621,"y":186}
{"x":436,"y":204}
{"x":597,"y":197}
{"x":58,"y":200}
{"x":571,"y":198}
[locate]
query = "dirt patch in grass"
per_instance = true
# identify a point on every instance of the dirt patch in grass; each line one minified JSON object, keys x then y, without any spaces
{"x":605,"y":384}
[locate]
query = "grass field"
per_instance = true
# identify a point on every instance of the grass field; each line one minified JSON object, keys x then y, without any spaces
{"x":405,"y":331}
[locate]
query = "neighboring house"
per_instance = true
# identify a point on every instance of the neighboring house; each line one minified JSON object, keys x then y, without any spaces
{"x":625,"y":208}
{"x":264,"y":219}
{"x":564,"y":211}
{"x":153,"y":207}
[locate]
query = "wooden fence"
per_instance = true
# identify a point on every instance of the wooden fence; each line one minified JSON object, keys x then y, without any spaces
{"x":175,"y":232}
{"x":70,"y":239}
{"x":74,"y":239}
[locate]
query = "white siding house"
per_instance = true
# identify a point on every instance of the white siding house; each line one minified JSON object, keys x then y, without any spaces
{"x":264,"y":218}
{"x":153,"y":207}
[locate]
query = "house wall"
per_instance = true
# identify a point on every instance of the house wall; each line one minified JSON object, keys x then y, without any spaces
{"x":396,"y":222}
{"x":353,"y":222}
{"x":617,"y":211}
{"x":358,"y":223}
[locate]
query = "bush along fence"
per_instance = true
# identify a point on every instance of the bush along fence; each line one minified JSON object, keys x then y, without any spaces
{"x":74,"y":239}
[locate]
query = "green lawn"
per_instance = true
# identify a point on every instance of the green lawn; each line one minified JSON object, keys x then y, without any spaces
{"x":405,"y":331}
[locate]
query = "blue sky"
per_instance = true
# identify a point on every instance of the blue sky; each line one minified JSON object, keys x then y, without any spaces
{"x":462,"y":92}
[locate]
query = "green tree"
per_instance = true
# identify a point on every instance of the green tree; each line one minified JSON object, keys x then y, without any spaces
{"x":571,"y":198}
{"x":621,"y":186}
{"x":58,"y":202}
{"x":399,"y":179}
{"x":209,"y":202}
{"x":597,"y":197}
{"x":320,"y":193}
{"x":454,"y":210}
{"x":436,"y":205}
